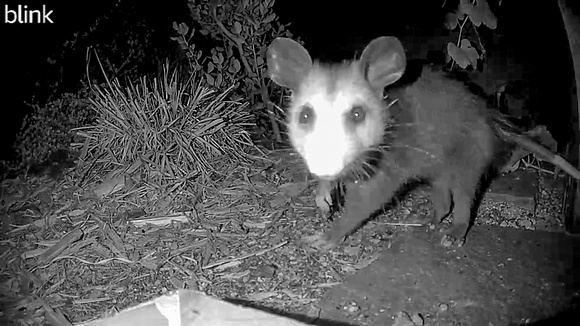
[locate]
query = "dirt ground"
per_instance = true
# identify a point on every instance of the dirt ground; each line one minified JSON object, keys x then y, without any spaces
{"x":502,"y":276}
{"x":524,"y":272}
{"x":517,"y":265}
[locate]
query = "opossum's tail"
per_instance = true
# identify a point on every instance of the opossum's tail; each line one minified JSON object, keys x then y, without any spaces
{"x":510,"y":133}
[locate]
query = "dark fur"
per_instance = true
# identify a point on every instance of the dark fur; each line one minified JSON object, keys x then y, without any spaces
{"x":439,"y":131}
{"x":436,"y":130}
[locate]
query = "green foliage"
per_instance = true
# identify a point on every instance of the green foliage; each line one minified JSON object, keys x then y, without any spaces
{"x":240,"y":32}
{"x":126,"y":43}
{"x":178,"y":130}
{"x":477,"y":12}
{"x":48,"y":128}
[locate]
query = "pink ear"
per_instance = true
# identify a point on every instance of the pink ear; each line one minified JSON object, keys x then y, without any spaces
{"x":288,"y":62}
{"x":383,"y":62}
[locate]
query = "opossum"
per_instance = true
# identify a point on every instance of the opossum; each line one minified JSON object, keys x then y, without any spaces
{"x":433,"y":129}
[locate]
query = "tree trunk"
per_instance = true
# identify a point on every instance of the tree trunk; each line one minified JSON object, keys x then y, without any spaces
{"x":571,"y":207}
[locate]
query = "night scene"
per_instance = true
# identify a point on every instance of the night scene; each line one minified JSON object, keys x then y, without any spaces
{"x":277,"y":162}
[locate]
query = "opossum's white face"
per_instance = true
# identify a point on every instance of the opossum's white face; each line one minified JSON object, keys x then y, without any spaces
{"x":332,"y":118}
{"x":336,"y":111}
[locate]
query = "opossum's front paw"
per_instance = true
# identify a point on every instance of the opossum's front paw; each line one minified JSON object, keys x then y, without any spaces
{"x":449,"y":240}
{"x":320,"y":241}
{"x":455,"y":236}
{"x":323,"y":197}
{"x":322,"y":202}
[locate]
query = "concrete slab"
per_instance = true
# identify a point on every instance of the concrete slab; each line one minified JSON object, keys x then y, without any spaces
{"x":502,"y":276}
{"x":519,"y":187}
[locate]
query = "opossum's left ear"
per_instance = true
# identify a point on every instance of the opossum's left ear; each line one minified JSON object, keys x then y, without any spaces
{"x":383,"y":62}
{"x":288,"y":62}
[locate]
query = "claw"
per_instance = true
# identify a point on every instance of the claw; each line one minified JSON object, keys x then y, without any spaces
{"x":323,"y":197}
{"x":322,"y":202}
{"x":448,"y":241}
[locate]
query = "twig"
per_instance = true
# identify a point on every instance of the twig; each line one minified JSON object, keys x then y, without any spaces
{"x":257,"y":253}
{"x":400,"y":224}
{"x":101,"y":262}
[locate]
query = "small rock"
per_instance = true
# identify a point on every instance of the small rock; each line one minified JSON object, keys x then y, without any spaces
{"x":443,"y":307}
{"x":403,"y":319}
{"x":527,"y":224}
{"x":405,"y":211}
{"x":353,"y":308}
{"x":417,"y":320}
{"x":483,"y":219}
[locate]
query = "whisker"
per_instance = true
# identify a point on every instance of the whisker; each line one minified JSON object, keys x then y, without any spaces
{"x":386,"y":97}
{"x":418,"y":150}
{"x":406,"y":124}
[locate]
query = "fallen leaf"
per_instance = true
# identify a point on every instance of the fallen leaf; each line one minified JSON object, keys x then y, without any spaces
{"x":112,"y":183}
{"x":76,"y":212}
{"x":262,"y":295}
{"x":57,"y":248}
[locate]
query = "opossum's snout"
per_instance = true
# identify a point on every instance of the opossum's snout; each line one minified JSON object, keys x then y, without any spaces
{"x":326,"y":154}
{"x":336,"y":109}
{"x":320,"y":137}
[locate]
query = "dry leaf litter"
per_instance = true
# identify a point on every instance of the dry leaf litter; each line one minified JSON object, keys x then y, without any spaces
{"x":66,"y":250}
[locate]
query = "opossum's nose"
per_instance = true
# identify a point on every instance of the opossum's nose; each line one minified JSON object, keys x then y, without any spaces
{"x":325,"y":156}
{"x":328,"y":170}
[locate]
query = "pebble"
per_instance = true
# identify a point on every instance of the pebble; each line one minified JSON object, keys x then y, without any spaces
{"x":527,"y":224}
{"x":443,"y":307}
{"x":417,"y":320}
{"x":353,"y":307}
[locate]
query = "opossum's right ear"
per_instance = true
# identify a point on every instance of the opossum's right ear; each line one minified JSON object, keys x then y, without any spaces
{"x":288,"y":62}
{"x":383,"y":62}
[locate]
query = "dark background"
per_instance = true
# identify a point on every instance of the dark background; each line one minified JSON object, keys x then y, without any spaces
{"x":530,"y":43}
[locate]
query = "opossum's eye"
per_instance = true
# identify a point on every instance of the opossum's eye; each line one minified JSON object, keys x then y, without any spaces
{"x":357,"y":114}
{"x":306,"y":115}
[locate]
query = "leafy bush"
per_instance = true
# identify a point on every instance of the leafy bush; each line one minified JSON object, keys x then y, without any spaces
{"x":131,"y":45}
{"x":48,"y":128}
{"x":178,"y":130}
{"x":465,"y":52}
{"x":240,"y":32}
